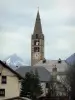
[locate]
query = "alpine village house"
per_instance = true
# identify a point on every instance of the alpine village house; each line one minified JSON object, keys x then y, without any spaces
{"x":9,"y":82}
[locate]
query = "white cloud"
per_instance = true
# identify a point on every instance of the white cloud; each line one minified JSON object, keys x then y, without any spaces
{"x":17,"y":18}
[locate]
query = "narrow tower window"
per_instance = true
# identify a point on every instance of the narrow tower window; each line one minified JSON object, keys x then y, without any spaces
{"x":36,"y":36}
{"x":36,"y":49}
{"x":36,"y":42}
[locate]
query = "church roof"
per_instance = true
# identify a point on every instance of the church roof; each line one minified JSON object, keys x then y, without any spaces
{"x":38,"y":27}
{"x":50,"y":64}
{"x":44,"y":74}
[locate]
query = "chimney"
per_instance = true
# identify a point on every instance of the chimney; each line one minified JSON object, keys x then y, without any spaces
{"x":44,"y":60}
{"x":59,"y":60}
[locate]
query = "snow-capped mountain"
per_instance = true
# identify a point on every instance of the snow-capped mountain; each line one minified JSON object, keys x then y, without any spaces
{"x":14,"y":61}
{"x":71,"y":60}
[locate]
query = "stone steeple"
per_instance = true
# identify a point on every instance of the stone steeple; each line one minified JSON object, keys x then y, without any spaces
{"x":37,"y":42}
{"x":37,"y":28}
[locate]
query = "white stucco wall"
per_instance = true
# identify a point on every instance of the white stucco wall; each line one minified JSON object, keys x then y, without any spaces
{"x":12,"y":88}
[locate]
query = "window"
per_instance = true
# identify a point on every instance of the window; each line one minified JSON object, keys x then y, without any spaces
{"x":36,"y":49}
{"x":36,"y":42}
{"x":4,"y":80}
{"x":36,"y":36}
{"x":47,"y":85}
{"x":2,"y":92}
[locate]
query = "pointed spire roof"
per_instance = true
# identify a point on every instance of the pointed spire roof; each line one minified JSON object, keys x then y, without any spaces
{"x":38,"y":28}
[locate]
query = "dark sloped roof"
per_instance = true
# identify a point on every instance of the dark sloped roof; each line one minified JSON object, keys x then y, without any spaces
{"x":44,"y":74}
{"x":6,"y":66}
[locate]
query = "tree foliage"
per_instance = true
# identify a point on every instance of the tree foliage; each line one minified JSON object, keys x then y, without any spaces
{"x":51,"y":89}
{"x":71,"y":81}
{"x":30,"y":86}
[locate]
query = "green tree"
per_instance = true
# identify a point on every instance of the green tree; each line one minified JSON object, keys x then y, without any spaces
{"x":30,"y":86}
{"x":51,"y":89}
{"x":71,"y":81}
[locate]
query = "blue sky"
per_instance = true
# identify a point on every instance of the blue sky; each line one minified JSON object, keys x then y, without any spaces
{"x":17,"y":19}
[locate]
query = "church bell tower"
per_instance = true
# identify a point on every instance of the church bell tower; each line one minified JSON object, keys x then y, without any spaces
{"x":37,"y":42}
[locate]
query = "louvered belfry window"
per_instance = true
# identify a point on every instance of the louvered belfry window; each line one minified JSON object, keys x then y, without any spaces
{"x":36,"y":36}
{"x":36,"y":49}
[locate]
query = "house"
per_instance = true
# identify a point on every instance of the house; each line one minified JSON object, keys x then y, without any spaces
{"x":44,"y":75}
{"x":9,"y":82}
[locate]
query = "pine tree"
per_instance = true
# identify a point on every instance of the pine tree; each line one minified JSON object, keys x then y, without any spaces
{"x":30,"y":86}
